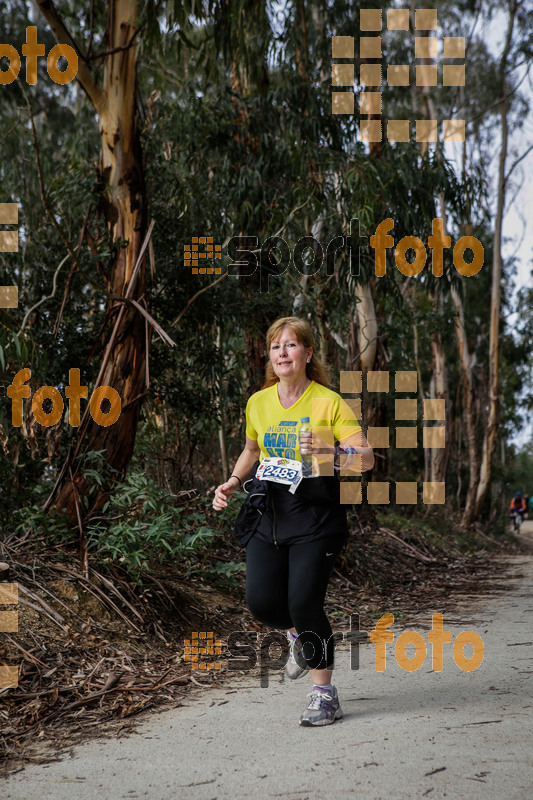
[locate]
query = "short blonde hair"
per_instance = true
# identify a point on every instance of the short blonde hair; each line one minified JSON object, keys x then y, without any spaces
{"x":315,"y":370}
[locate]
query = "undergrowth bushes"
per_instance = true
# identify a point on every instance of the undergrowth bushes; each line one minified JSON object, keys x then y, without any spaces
{"x":140,"y":526}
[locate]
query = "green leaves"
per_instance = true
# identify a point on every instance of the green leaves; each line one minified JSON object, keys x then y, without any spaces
{"x":141,"y":526}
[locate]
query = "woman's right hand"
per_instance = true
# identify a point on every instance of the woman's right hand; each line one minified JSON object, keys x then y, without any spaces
{"x":223,"y":493}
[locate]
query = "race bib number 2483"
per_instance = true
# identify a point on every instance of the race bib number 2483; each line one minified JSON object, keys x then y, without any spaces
{"x":281,"y":470}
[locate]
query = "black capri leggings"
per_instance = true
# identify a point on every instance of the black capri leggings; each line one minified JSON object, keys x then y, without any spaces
{"x":286,"y":587}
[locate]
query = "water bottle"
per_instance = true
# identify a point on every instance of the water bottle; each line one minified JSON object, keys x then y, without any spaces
{"x":307,"y":458}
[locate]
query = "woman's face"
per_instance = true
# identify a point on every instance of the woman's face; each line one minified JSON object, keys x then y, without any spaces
{"x":288,"y":356}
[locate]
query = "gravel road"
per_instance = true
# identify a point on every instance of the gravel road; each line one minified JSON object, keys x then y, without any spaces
{"x":405,"y":735}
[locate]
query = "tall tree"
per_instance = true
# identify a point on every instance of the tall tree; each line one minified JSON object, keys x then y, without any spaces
{"x":124,"y":206}
{"x":491,"y":431}
{"x":465,"y":362}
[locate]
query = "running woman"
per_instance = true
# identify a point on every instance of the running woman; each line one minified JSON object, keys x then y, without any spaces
{"x":290,"y":557}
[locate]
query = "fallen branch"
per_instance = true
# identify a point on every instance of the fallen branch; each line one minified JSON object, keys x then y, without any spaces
{"x":50,"y":612}
{"x":115,"y":591}
{"x":416,"y":552}
{"x":164,"y":336}
{"x":28,"y":655}
{"x":98,"y":593}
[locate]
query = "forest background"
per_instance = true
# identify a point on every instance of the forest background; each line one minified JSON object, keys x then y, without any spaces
{"x":192,"y":119}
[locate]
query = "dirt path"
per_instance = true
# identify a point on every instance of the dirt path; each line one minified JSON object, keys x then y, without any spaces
{"x":448,"y":734}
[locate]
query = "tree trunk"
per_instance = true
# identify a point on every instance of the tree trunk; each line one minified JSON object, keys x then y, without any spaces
{"x":125,"y":211}
{"x":438,"y":457}
{"x":374,"y":406}
{"x":367,"y":327}
{"x":468,"y":404}
{"x":302,"y":48}
{"x":245,"y":78}
{"x":222,"y":425}
{"x":491,"y":431}
{"x":439,"y":390}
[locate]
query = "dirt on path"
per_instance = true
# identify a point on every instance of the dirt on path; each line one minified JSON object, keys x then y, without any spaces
{"x":405,"y":734}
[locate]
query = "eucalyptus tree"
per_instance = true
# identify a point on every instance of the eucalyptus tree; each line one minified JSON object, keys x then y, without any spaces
{"x":107,"y":42}
{"x":517,"y":46}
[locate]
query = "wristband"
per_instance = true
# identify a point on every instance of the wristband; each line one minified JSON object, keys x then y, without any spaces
{"x":350,"y":452}
{"x":236,"y":476}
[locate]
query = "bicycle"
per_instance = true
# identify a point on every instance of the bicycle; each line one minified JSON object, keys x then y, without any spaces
{"x":517,"y":520}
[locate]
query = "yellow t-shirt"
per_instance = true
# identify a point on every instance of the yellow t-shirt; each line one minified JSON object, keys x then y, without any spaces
{"x":276,"y":428}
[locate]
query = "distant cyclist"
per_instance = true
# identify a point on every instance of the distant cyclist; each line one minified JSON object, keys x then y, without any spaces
{"x":527,"y":499}
{"x":518,"y":509}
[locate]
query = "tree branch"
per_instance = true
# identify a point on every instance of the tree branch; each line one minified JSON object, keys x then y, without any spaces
{"x":129,"y":291}
{"x":155,"y":325}
{"x":84,"y":76}
{"x":500,"y":100}
{"x":196,"y":296}
{"x":119,"y":49}
{"x":44,"y":299}
{"x":69,"y":279}
{"x":517,"y":162}
{"x":12,"y":128}
{"x":42,"y":188}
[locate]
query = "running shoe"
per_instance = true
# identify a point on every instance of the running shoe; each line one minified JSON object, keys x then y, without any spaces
{"x":323,"y":709}
{"x":296,"y":665}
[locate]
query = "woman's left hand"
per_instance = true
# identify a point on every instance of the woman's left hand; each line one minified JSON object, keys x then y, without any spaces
{"x":313,"y":444}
